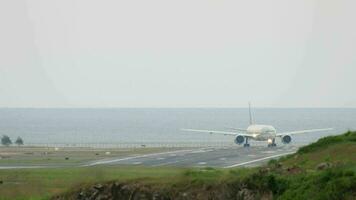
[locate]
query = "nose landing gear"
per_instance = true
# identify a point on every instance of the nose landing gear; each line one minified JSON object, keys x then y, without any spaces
{"x":273,"y":144}
{"x":246,"y":142}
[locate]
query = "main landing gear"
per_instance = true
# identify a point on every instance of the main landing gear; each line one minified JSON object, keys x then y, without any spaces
{"x":246,"y":143}
{"x":273,"y":144}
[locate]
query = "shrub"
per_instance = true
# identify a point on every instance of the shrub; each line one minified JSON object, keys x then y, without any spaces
{"x":332,"y":184}
{"x":270,"y":182}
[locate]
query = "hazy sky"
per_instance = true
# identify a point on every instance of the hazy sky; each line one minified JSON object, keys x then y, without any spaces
{"x":186,"y":53}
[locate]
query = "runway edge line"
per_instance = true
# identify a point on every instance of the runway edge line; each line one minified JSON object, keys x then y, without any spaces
{"x":257,"y":160}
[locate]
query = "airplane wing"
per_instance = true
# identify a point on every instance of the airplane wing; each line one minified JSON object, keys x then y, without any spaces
{"x":302,"y":131}
{"x":237,"y":129}
{"x":218,"y":132}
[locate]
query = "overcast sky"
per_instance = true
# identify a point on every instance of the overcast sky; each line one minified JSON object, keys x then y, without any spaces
{"x":186,"y":53}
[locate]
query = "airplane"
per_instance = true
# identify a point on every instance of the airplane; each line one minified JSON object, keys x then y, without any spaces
{"x":259,"y":132}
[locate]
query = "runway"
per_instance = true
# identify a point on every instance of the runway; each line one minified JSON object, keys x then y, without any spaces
{"x":205,"y":157}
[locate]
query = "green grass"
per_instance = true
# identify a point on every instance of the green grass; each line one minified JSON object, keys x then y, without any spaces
{"x":349,"y":137}
{"x":43,"y":183}
{"x":336,"y":154}
{"x":338,"y":150}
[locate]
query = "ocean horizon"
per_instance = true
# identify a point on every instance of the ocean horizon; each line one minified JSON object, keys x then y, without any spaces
{"x":162,"y":125}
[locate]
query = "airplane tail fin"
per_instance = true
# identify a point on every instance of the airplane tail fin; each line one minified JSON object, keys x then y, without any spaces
{"x":249,"y":110}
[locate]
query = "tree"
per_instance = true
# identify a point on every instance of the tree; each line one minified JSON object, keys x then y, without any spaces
{"x":19,"y":141}
{"x":5,"y":140}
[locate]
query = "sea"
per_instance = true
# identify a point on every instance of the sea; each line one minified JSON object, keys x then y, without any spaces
{"x":163,"y":125}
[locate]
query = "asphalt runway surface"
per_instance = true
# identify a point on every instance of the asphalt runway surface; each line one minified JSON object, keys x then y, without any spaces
{"x":205,"y":157}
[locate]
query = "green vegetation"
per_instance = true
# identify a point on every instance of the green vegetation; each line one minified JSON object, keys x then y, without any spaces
{"x":334,"y":183}
{"x":5,"y":140}
{"x":323,"y":170}
{"x":19,"y":141}
{"x":43,"y":183}
{"x":336,"y":150}
{"x":349,"y":137}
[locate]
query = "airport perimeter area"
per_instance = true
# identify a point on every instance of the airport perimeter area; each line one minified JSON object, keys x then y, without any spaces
{"x":64,"y":173}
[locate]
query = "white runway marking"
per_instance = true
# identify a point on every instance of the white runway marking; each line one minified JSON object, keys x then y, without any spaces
{"x":201,"y":163}
{"x":166,"y":163}
{"x":199,"y":151}
{"x":137,"y":163}
{"x":268,"y":151}
{"x":203,"y":150}
{"x":133,"y":157}
{"x":257,"y":160}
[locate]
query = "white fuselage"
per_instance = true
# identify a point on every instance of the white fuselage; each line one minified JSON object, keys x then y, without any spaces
{"x":262,"y":132}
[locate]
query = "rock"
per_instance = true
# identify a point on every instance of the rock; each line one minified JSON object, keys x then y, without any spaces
{"x":103,"y":197}
{"x":142,"y":191}
{"x":143,"y":196}
{"x":94,"y":194}
{"x":324,"y":165}
{"x":81,"y":195}
{"x":98,"y":187}
{"x":245,"y":194}
{"x":156,"y":196}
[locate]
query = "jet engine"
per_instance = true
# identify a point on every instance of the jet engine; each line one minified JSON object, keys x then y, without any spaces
{"x":286,"y":139}
{"x":239,"y":139}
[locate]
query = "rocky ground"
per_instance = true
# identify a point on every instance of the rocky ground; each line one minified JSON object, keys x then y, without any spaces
{"x":139,"y":191}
